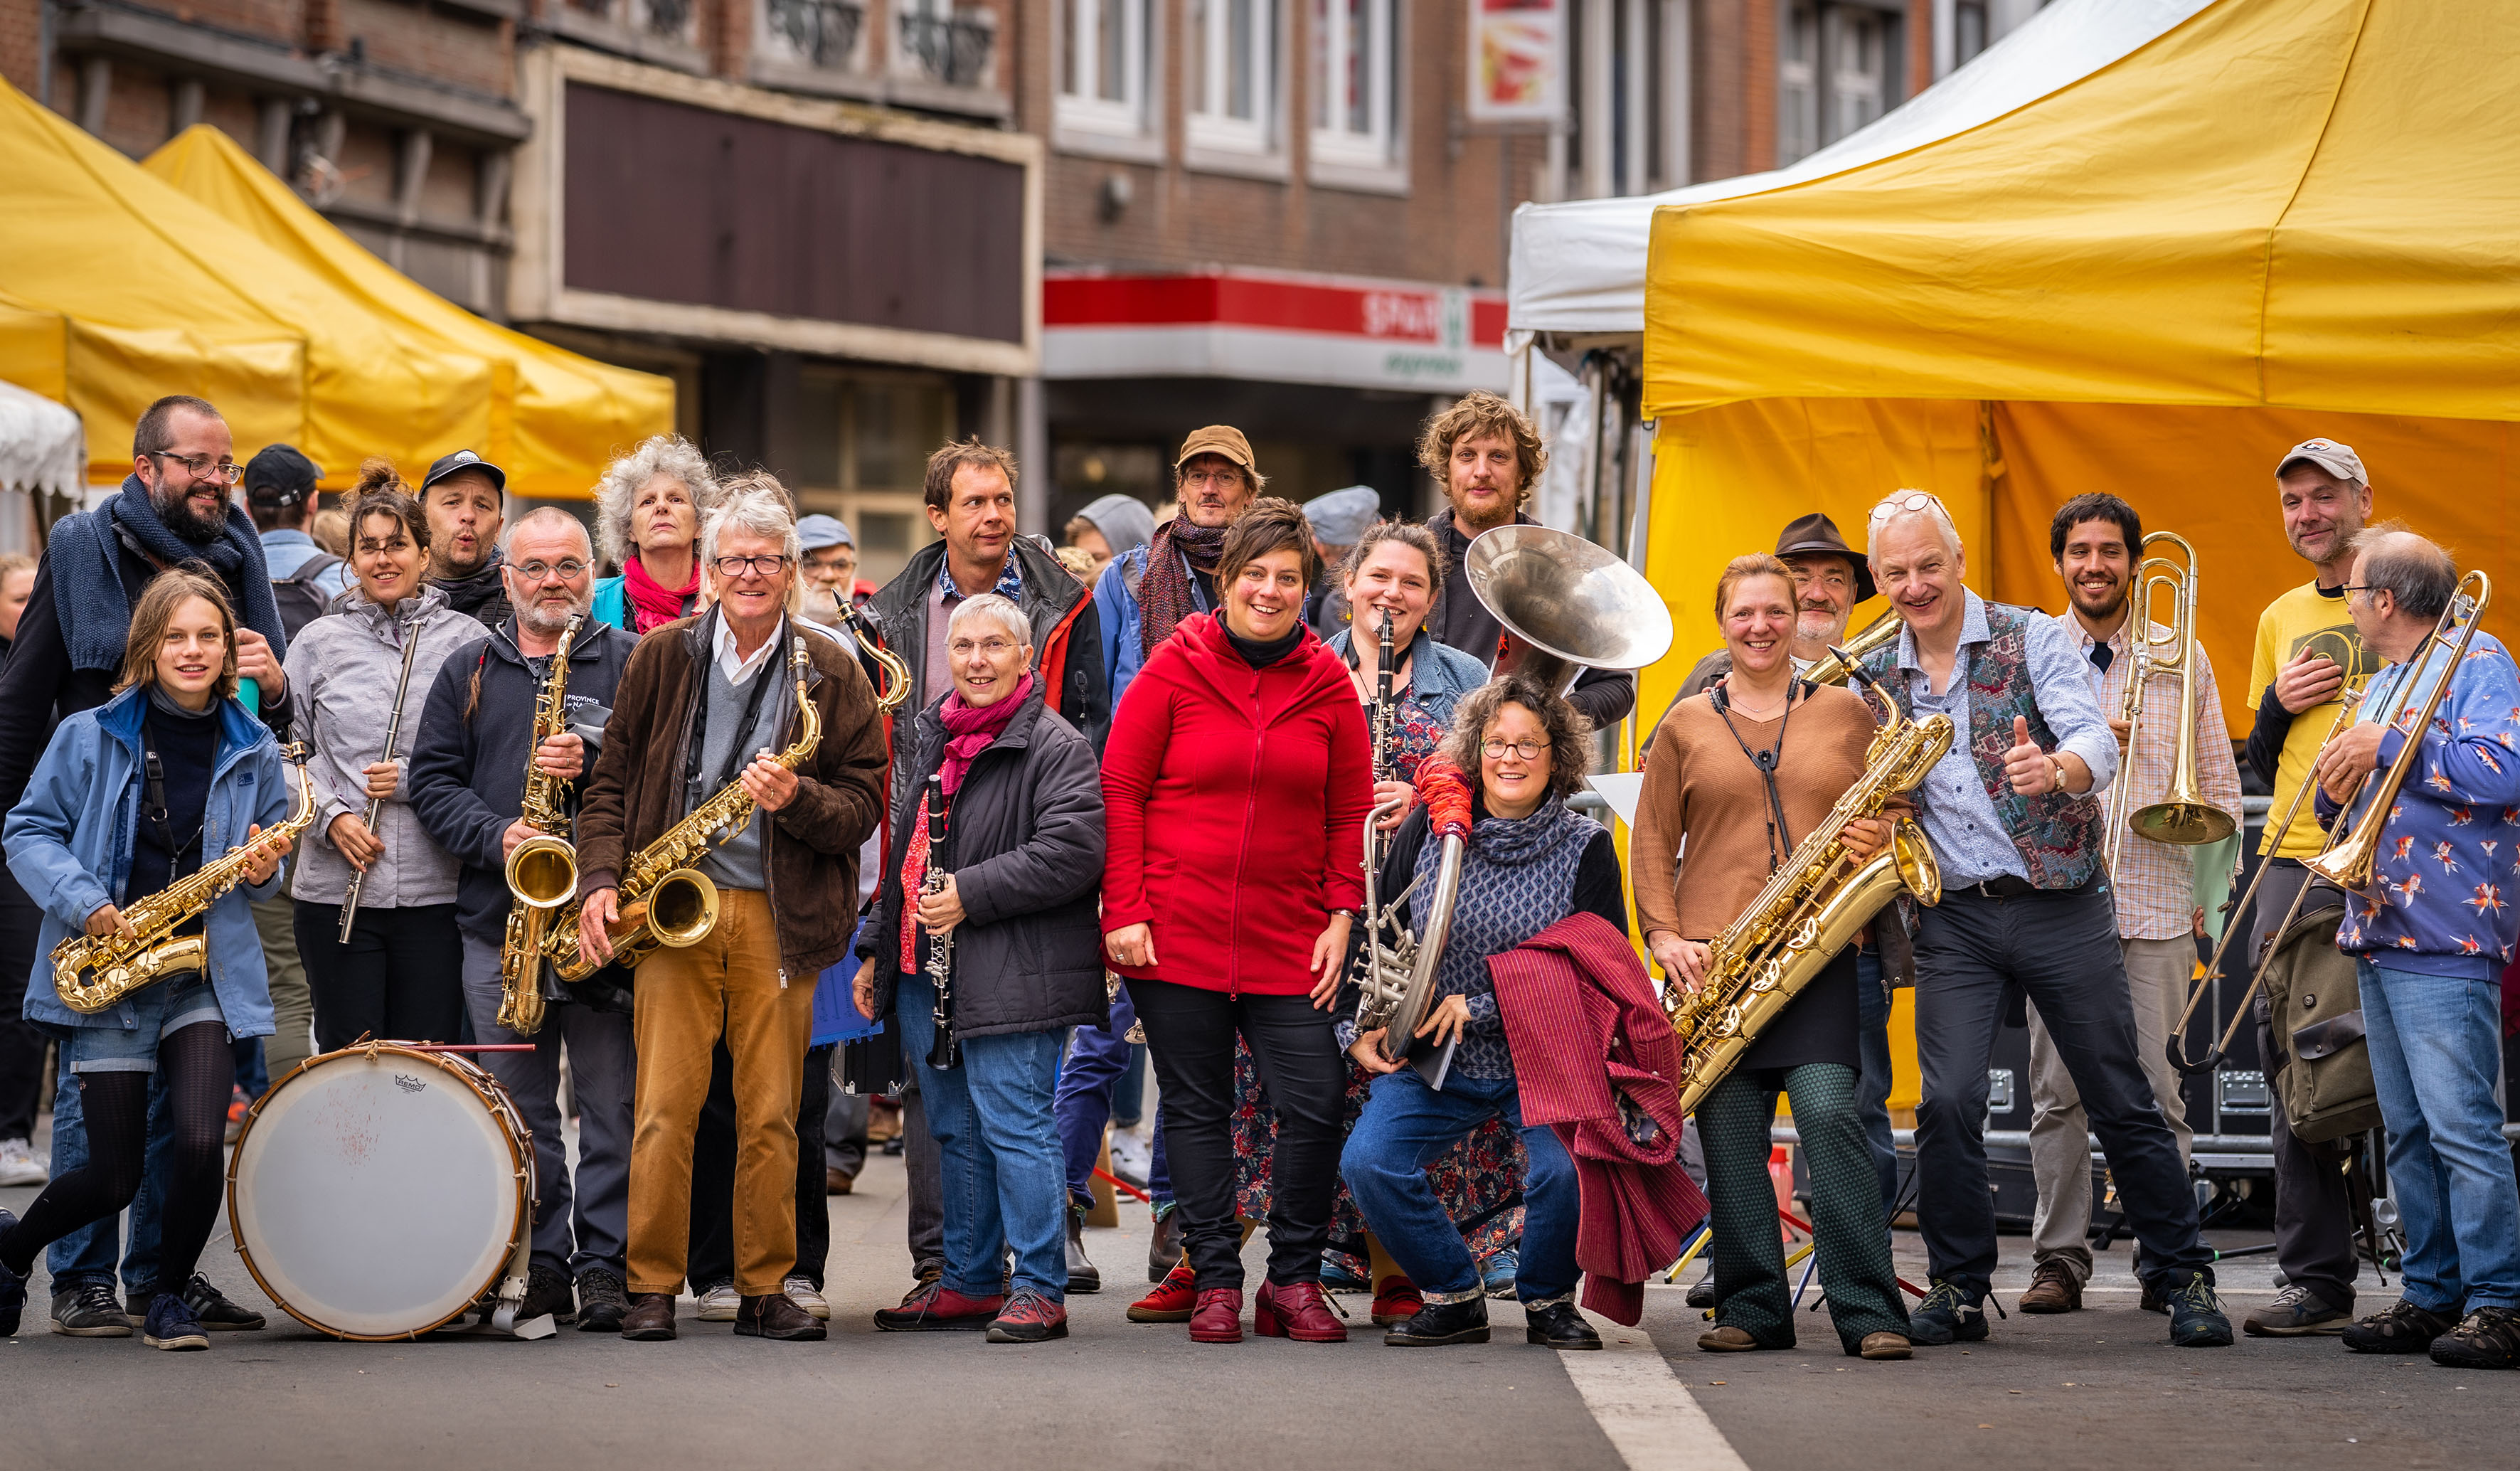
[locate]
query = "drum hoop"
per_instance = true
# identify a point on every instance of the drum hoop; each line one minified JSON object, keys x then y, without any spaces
{"x":494,"y":1096}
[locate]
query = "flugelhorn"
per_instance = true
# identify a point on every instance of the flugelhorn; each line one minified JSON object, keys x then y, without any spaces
{"x":2182,"y":816}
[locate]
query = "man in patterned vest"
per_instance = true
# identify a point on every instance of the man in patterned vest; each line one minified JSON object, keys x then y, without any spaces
{"x":2014,"y":819}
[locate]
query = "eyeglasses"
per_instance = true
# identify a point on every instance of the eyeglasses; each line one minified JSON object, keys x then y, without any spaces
{"x":203,"y":467}
{"x":1528,"y":750}
{"x":565,"y":569}
{"x":760,"y":566}
{"x":964,"y":648}
{"x":1903,"y":501}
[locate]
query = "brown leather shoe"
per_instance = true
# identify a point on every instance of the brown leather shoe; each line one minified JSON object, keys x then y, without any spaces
{"x":777,"y":1316}
{"x":1883,"y":1346}
{"x":2052,"y":1290}
{"x":1727,"y":1341}
{"x":838,"y":1181}
{"x":650,"y":1318}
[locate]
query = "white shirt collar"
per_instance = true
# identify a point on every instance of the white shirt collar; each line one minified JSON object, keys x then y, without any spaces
{"x":739,"y":671}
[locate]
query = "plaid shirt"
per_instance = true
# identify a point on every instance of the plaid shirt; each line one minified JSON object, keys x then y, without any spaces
{"x":2156,"y":883}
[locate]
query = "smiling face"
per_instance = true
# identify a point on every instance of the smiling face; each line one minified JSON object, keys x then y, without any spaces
{"x":1266,"y":597}
{"x":1394,"y":575}
{"x":1513,"y":783}
{"x":1213,"y":490}
{"x":1824,"y":597}
{"x":2098,"y":567}
{"x":192,"y":653}
{"x":978,"y":518}
{"x":2320,"y":512}
{"x":1759,"y":623}
{"x":1918,"y":569}
{"x":988,"y":660}
{"x":464,"y":518}
{"x":385,"y":558}
{"x":194,"y":506}
{"x":663,"y":516}
{"x":752,"y":596}
{"x":1482,"y":478}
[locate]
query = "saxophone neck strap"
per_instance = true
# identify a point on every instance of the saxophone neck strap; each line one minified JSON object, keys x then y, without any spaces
{"x":1766,"y":762}
{"x":762,"y":679}
{"x":153,"y":804}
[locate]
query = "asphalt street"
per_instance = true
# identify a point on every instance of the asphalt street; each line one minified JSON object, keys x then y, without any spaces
{"x":2099,"y":1388}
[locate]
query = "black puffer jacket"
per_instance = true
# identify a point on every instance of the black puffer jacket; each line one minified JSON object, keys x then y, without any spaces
{"x":1027,"y":853}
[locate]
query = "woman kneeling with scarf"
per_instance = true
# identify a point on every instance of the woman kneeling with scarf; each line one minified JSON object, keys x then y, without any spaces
{"x":1021,"y":866}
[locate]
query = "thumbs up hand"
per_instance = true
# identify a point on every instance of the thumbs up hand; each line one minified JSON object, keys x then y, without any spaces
{"x":2025,"y":765}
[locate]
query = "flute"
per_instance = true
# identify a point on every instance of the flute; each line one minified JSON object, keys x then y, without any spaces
{"x":376,"y":805}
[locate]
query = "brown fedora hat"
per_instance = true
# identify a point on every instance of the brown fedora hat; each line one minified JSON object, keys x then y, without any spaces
{"x":1816,"y":535}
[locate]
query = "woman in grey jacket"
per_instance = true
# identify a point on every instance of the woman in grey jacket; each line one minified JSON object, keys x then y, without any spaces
{"x":399,"y":973}
{"x":1024,"y":857}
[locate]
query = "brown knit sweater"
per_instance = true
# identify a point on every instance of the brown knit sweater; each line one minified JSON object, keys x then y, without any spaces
{"x":1700,"y":785}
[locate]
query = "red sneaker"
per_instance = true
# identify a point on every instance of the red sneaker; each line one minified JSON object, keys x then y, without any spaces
{"x":932,"y":1307}
{"x":1219,"y":1316}
{"x":1297,"y":1310}
{"x":1396,"y":1300}
{"x":1172,"y":1301}
{"x":1029,"y":1318}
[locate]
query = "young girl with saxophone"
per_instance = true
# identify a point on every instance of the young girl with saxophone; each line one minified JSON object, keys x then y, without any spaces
{"x":167,"y":781}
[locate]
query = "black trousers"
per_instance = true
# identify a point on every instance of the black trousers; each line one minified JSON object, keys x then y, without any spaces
{"x":399,"y":979}
{"x":22,"y":1046}
{"x":2313,"y":1212}
{"x":2061,"y":949}
{"x":712,"y":1239}
{"x":1190,"y":1038}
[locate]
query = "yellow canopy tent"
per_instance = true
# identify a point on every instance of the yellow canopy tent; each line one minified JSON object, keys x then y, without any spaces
{"x":2281,"y":218}
{"x":555,"y":418}
{"x":123,"y":290}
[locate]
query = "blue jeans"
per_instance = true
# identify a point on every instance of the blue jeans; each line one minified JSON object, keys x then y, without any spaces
{"x":1005,"y":1183}
{"x":1405,"y":1125}
{"x":2436,"y":1047}
{"x":1872,"y":1085}
{"x":86,"y":1255}
{"x":1096,"y":1059}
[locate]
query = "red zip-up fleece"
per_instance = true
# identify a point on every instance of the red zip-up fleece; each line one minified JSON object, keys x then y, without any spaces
{"x":1234,"y":802}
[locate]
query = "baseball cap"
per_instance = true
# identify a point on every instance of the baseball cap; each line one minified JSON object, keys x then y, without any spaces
{"x":463,"y":460}
{"x":1217,"y":439}
{"x":817,"y":532}
{"x":280,"y":475}
{"x":2338,"y":459}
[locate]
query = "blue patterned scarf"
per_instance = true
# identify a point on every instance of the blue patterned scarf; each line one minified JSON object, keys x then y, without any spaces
{"x":88,"y":599}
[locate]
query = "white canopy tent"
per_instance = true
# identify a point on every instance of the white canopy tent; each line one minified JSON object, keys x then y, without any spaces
{"x":43,"y":452}
{"x":1578,"y":269}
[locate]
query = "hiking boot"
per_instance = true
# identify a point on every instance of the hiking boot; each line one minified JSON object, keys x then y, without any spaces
{"x":2402,"y":1328}
{"x":934,"y":1308}
{"x":87,"y":1310}
{"x":2296,"y":1313}
{"x":1173,"y":1299}
{"x":1439,"y":1324}
{"x":2196,"y":1319}
{"x":1082,"y":1275}
{"x":2053,"y":1288}
{"x":1029,"y":1318}
{"x":548,"y":1289}
{"x":1948,"y":1314}
{"x":2487,"y":1338}
{"x":213,"y":1310}
{"x":1555,"y":1324}
{"x":601,"y":1304}
{"x":172,"y":1325}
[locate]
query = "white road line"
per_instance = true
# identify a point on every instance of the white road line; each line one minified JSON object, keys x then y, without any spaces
{"x":1647,"y":1414}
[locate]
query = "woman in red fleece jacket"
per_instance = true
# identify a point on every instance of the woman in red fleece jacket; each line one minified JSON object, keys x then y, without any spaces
{"x":1235,"y":784}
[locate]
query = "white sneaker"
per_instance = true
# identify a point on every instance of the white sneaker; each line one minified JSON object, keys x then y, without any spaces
{"x":19,"y":1165}
{"x":801,"y":1292}
{"x":718,"y":1305}
{"x":1133,"y":1156}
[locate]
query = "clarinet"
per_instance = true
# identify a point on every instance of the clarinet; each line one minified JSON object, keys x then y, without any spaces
{"x":948,"y":1050}
{"x":1387,"y":722}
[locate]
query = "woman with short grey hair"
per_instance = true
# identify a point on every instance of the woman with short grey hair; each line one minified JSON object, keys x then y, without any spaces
{"x":648,"y":510}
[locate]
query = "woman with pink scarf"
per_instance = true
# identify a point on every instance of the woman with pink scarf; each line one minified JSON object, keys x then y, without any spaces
{"x":648,"y":511}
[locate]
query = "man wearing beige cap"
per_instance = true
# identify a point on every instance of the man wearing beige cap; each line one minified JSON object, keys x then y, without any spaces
{"x":2308,"y":658}
{"x":1147,"y":590}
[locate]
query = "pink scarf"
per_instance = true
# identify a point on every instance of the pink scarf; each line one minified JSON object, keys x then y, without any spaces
{"x":651,"y":604}
{"x":968,"y":732}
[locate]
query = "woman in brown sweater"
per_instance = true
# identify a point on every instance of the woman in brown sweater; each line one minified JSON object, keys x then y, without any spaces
{"x":1738,"y":776}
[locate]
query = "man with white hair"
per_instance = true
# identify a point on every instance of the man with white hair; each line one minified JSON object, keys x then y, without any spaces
{"x":706,"y":701}
{"x":2013,"y":814}
{"x":467,"y":782}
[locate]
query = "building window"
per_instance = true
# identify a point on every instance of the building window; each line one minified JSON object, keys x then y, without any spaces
{"x":1102,"y":65}
{"x":1968,"y":30}
{"x":823,"y":33}
{"x":1834,"y":74}
{"x":1354,"y":82}
{"x":943,"y":44}
{"x":1228,"y":59}
{"x":1629,"y":91}
{"x":1858,"y":70}
{"x":864,"y":440}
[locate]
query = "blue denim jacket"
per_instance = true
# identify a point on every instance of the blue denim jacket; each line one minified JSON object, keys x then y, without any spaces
{"x":70,"y":846}
{"x":1438,"y":673}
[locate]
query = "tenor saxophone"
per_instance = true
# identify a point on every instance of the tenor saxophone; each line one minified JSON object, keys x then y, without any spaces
{"x":542,"y":871}
{"x":91,"y":972}
{"x":663,"y":900}
{"x":1811,"y":905}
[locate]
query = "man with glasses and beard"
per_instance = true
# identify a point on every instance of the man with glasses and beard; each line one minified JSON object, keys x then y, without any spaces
{"x":173,"y":509}
{"x":467,"y":782}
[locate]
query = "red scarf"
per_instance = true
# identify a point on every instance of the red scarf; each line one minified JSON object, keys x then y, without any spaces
{"x":968,"y":732}
{"x":653,"y":603}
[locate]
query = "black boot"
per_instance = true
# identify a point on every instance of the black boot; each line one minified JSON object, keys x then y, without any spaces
{"x":1465,"y":1322}
{"x":1163,"y":1247}
{"x":1555,"y":1324}
{"x":1082,"y":1275}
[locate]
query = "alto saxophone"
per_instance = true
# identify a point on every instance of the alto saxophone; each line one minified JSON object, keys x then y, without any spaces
{"x":663,"y":900}
{"x":91,"y":972}
{"x":1811,"y":905}
{"x":542,"y":871}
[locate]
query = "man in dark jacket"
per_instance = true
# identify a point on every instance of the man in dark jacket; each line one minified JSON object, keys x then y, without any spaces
{"x":466,"y":499}
{"x":698,"y":696}
{"x":1488,"y":459}
{"x":1018,"y":871}
{"x":467,"y":782}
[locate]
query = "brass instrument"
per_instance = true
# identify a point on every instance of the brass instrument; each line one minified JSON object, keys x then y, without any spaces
{"x":895,"y":690}
{"x":1833,"y":667}
{"x":91,"y":972}
{"x":542,"y":871}
{"x":664,"y":901}
{"x":946,"y":1051}
{"x":2182,"y":816}
{"x":376,"y":805}
{"x":1813,"y":905}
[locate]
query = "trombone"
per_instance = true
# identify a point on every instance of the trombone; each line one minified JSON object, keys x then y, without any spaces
{"x":2345,"y":859}
{"x":2182,"y":816}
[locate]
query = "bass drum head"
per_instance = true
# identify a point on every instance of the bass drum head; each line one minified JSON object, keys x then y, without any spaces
{"x":377,"y":1195}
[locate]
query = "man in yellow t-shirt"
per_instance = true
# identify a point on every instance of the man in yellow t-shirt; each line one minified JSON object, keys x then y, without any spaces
{"x":2307,"y":659}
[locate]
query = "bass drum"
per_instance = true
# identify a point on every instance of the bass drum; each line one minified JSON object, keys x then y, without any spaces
{"x":378,"y":1191}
